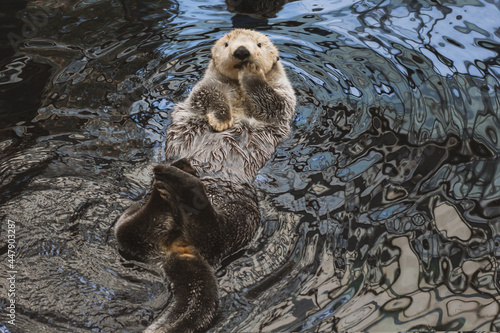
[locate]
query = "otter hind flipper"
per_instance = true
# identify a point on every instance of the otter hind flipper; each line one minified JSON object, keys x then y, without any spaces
{"x":163,"y":229}
{"x":185,"y":165}
{"x":137,"y":231}
{"x":188,"y":188}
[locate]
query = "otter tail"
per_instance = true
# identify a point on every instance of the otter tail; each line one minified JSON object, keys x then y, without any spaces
{"x":195,"y":293}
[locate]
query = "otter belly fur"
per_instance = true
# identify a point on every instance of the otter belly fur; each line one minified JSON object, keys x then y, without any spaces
{"x":203,"y":207}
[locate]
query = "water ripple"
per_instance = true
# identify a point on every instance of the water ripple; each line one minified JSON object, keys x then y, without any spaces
{"x":379,"y":213}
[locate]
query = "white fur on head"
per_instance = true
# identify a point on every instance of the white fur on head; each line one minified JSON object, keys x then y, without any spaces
{"x":263,"y":53}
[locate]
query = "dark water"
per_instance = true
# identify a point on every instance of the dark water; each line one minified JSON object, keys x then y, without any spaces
{"x":381,"y":212}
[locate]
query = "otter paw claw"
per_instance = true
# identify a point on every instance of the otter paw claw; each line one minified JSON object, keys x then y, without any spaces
{"x":250,"y":67}
{"x":218,"y":124}
{"x":250,"y":70}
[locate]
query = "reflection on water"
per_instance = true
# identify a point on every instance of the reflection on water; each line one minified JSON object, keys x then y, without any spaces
{"x":381,"y":212}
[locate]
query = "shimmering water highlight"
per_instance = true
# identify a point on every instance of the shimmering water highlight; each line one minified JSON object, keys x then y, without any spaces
{"x":379,"y":213}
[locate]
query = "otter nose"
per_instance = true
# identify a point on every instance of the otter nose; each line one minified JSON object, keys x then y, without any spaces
{"x":241,"y":53}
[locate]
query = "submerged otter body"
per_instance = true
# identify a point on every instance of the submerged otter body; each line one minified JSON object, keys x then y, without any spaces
{"x":203,"y":207}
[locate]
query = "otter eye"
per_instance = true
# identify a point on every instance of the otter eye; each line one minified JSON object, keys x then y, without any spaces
{"x":226,"y":45}
{"x":259,"y":45}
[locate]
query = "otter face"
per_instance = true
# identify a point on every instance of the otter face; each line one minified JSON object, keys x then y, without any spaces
{"x":242,"y":46}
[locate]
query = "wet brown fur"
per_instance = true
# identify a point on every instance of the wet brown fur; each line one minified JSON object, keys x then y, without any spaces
{"x":203,"y":207}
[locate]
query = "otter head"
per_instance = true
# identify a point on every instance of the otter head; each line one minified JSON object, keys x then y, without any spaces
{"x":242,"y":46}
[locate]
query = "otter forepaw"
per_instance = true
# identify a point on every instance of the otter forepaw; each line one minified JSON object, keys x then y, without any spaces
{"x":249,"y":68}
{"x":252,"y":67}
{"x":219,"y":124}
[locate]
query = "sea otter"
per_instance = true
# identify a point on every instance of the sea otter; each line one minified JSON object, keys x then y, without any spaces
{"x":203,"y":207}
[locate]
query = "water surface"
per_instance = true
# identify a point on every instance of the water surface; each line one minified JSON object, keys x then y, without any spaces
{"x":381,"y":212}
